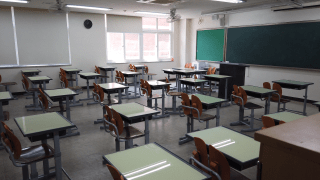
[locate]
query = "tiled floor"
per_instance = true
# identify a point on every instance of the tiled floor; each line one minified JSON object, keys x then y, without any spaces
{"x":82,"y":155}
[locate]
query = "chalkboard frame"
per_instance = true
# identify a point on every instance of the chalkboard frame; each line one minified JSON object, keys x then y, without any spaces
{"x":224,"y":45}
{"x":269,"y":24}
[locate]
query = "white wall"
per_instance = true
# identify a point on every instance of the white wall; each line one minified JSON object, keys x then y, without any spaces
{"x":88,"y":48}
{"x":257,"y":75}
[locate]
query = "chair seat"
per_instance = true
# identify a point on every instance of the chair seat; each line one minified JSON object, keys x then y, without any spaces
{"x":204,"y":89}
{"x":156,"y":96}
{"x":8,"y":83}
{"x":102,"y":76}
{"x":35,"y":153}
{"x":151,"y":74}
{"x":6,"y":115}
{"x":175,"y":93}
{"x":75,"y":88}
{"x":33,"y":90}
{"x":205,"y":117}
{"x":130,"y":132}
{"x":250,"y":105}
{"x":282,"y":100}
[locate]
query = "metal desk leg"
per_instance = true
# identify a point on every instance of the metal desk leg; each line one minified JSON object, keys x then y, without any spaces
{"x":268,"y":105}
{"x":126,"y":142}
{"x":177,"y":83}
{"x":35,"y":102}
{"x":1,"y":127}
{"x":76,"y":78}
{"x":88,"y":92}
{"x":210,"y":86}
{"x":225,"y":95}
{"x":57,"y":155}
{"x":111,"y":75}
{"x":69,"y":131}
{"x":218,"y":116}
{"x":71,"y":83}
{"x":143,"y":72}
{"x":106,"y":74}
{"x":45,"y":163}
{"x":119,"y":96}
{"x":146,"y":131}
{"x":305,"y":102}
{"x":135,"y":86}
{"x":202,"y":86}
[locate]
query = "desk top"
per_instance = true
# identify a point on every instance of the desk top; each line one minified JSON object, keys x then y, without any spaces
{"x":89,"y":74}
{"x":133,"y":110}
{"x":158,"y":83}
{"x":54,"y":93}
{"x":72,"y":70}
{"x":39,"y":78}
{"x":231,"y":143}
{"x":139,"y":66}
{"x":208,"y":100}
{"x":42,"y":124}
{"x":217,"y":76}
{"x":30,"y":71}
{"x":299,"y":138}
{"x":285,"y":116}
{"x":193,"y":80}
{"x":152,"y":161}
{"x":5,"y":96}
{"x":107,"y":68}
{"x":259,"y":90}
{"x":317,"y":103}
{"x":299,"y":83}
{"x":111,"y":86}
{"x":130,"y":73}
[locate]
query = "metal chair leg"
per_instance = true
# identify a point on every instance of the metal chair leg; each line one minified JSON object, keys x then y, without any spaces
{"x":25,"y":172}
{"x":117,"y":145}
{"x":34,"y":173}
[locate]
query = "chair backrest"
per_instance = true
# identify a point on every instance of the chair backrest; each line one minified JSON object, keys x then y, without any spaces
{"x":168,"y":87}
{"x":121,"y":76}
{"x":148,"y":87}
{"x":267,"y":122}
{"x":63,"y":72}
{"x":278,"y":88}
{"x":108,"y":116}
{"x":65,"y":81}
{"x":97,"y":70}
{"x":195,"y":77}
{"x":146,"y":69}
{"x":11,"y":141}
{"x":101,"y":93}
{"x":142,"y":85}
{"x":116,"y":120}
{"x":134,"y":68}
{"x":201,"y":154}
{"x":219,"y":164}
{"x":236,"y":93}
{"x":0,"y":78}
{"x":213,"y":70}
{"x":43,"y":98}
{"x":186,"y":102}
{"x":95,"y":88}
{"x":192,"y":67}
{"x":267,"y":86}
{"x":209,"y":71}
{"x":130,"y":67}
{"x":115,"y":173}
{"x":196,"y":103}
{"x":25,"y":81}
{"x":244,"y":96}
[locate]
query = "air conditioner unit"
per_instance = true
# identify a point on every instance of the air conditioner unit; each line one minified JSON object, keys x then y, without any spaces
{"x":296,"y":6}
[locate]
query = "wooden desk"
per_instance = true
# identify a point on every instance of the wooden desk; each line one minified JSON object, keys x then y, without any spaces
{"x":290,"y":151}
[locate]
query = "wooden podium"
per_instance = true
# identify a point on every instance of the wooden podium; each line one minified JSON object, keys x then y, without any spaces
{"x":290,"y":151}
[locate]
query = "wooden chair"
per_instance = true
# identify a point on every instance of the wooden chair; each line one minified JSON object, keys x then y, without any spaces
{"x":195,"y":111}
{"x":145,"y":89}
{"x":131,"y":68}
{"x":239,"y":97}
{"x":174,"y":98}
{"x":213,"y":70}
{"x":146,"y":70}
{"x":26,"y":156}
{"x":63,"y":73}
{"x":209,"y":71}
{"x":65,"y":84}
{"x":97,"y":70}
{"x":219,"y":164}
{"x":276,"y":97}
{"x":269,"y":122}
{"x":28,"y":90}
{"x":115,"y":173}
{"x":205,"y":89}
{"x":44,"y":104}
{"x":116,"y":129}
{"x":6,"y":84}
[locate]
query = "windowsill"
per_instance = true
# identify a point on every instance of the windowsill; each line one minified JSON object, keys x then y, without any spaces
{"x":139,"y":61}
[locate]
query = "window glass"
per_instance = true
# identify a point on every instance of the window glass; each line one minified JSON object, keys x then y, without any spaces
{"x":132,"y":46}
{"x":163,"y":25}
{"x":150,"y":46}
{"x":164,"y":46}
{"x":115,"y":47}
{"x":149,"y":23}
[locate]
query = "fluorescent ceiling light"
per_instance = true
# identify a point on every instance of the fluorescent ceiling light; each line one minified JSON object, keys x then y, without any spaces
{"x":151,"y":13}
{"x":231,"y":1}
{"x":15,"y":1}
{"x":88,"y":7}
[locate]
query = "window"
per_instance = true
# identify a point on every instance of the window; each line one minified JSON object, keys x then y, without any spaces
{"x":154,"y":44}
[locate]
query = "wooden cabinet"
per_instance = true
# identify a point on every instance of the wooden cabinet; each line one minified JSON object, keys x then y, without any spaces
{"x":291,"y":150}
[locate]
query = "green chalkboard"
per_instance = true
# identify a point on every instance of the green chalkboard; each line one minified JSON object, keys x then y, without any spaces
{"x":288,"y":45}
{"x":210,"y":45}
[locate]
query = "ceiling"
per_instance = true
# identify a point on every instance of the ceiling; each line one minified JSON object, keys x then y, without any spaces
{"x":187,"y":9}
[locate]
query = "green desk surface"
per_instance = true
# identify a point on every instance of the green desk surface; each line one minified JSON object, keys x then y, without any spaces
{"x":192,"y":80}
{"x":208,"y":99}
{"x":292,"y":82}
{"x":59,"y":92}
{"x":72,"y":69}
{"x":256,"y":89}
{"x":133,"y":109}
{"x":107,"y":67}
{"x":243,"y":149}
{"x":31,"y":70}
{"x":39,"y":78}
{"x":218,"y":76}
{"x":6,"y":95}
{"x":151,"y":162}
{"x":130,"y":73}
{"x":112,"y":86}
{"x":157,"y":83}
{"x":285,"y":116}
{"x":89,"y":74}
{"x":41,"y":123}
{"x":317,"y":103}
